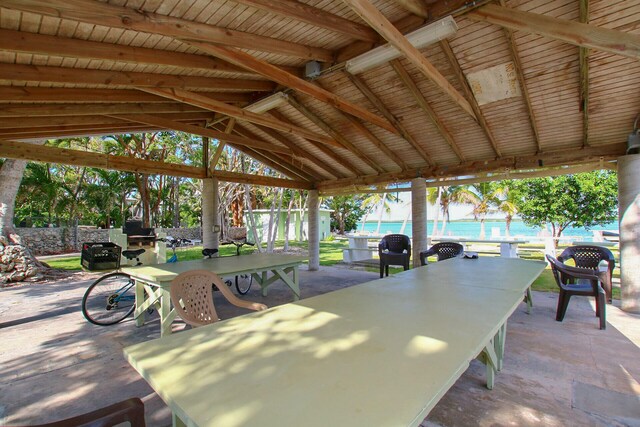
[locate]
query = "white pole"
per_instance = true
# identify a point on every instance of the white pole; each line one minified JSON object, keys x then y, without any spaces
{"x":418,"y":218}
{"x":629,"y":216}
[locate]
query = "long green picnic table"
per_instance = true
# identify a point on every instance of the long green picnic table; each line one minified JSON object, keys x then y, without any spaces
{"x":153,"y":282}
{"x":377,"y":354}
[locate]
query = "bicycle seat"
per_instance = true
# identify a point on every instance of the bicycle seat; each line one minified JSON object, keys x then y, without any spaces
{"x":209,"y":252}
{"x":133,"y":254}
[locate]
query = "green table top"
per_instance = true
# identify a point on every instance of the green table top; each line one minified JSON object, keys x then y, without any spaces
{"x":165,"y":273}
{"x":377,"y":354}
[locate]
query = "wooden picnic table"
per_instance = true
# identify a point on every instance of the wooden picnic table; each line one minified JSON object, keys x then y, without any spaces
{"x":381,"y":353}
{"x":153,"y":282}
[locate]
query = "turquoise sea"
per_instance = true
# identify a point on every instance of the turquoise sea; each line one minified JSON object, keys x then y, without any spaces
{"x":471,"y":229}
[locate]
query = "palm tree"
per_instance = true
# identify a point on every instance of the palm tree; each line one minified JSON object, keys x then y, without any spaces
{"x":450,"y":195}
{"x":484,"y":199}
{"x":433,"y":198}
{"x":507,"y":203}
{"x":385,"y":200}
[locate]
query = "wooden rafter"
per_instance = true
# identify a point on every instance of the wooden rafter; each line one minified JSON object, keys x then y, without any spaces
{"x":44,"y":121}
{"x":221,"y":144}
{"x":549,"y":158}
{"x":446,"y":48}
{"x":417,"y":7}
{"x":422,"y":102}
{"x":37,"y":73}
{"x":22,"y":110}
{"x":239,"y":113}
{"x":288,"y":162}
{"x":73,"y":131}
{"x":243,"y":59}
{"x":299,"y":152}
{"x":25,"y":151}
{"x":381,"y":24}
{"x":197,"y":130}
{"x":584,"y":77}
{"x":305,"y":111}
{"x":523,"y":84}
{"x":327,"y":151}
{"x":125,"y":18}
{"x":20,"y":94}
{"x":575,"y":33}
{"x":377,"y":102}
{"x":314,"y":16}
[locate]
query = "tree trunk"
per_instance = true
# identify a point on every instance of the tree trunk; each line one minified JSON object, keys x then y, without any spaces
{"x":303,"y":208}
{"x":482,"y":233}
{"x":287,"y":223}
{"x":176,"y":202}
{"x":20,"y":263}
{"x":436,"y":215}
{"x":251,"y":221}
{"x":384,"y":196}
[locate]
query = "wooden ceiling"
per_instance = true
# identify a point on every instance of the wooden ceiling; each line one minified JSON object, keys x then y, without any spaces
{"x":87,"y":67}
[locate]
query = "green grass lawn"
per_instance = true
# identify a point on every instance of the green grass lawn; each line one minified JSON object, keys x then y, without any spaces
{"x":330,"y":254}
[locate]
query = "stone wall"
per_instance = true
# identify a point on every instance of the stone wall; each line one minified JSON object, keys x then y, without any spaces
{"x":51,"y":241}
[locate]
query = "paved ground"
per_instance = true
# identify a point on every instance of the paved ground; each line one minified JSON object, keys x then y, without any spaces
{"x":53,"y":364}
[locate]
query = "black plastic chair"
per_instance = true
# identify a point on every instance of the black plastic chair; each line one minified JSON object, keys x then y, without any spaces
{"x":578,"y":281}
{"x":394,"y":249}
{"x":588,"y":256}
{"x":443,"y":250}
{"x":130,"y":410}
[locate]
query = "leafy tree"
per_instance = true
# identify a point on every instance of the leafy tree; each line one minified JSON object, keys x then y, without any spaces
{"x":507,"y":203}
{"x":347,"y":211}
{"x":581,"y":200}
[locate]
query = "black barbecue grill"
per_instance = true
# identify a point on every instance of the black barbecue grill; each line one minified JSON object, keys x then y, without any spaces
{"x":137,"y":234}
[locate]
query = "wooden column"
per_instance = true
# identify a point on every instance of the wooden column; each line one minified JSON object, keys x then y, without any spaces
{"x":210,"y":221}
{"x":314,"y":230}
{"x":629,"y":215}
{"x":418,"y":219}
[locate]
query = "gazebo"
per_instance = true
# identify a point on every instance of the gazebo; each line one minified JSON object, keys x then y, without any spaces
{"x":339,"y":95}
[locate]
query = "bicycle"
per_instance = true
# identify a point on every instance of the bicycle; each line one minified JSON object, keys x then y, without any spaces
{"x":111,"y":298}
{"x":244,"y":281}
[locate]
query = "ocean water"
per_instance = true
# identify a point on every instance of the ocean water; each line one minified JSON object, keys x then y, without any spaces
{"x":471,"y":229}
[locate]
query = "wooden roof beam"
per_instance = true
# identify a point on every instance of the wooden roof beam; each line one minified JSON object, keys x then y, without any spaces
{"x":201,"y":131}
{"x":446,"y":48}
{"x":43,"y":121}
{"x":243,"y":59}
{"x":37,"y":73}
{"x":239,"y":113}
{"x":381,"y":24}
{"x":550,"y":158}
{"x":584,"y":77}
{"x":91,"y":109}
{"x":343,"y":140}
{"x":299,"y":152}
{"x":21,"y":94}
{"x":277,"y":162}
{"x":296,"y":151}
{"x":377,"y":102}
{"x":73,"y":131}
{"x":422,"y":102}
{"x":25,"y":151}
{"x":575,"y":33}
{"x":326,"y":150}
{"x":109,"y":15}
{"x":314,"y":16}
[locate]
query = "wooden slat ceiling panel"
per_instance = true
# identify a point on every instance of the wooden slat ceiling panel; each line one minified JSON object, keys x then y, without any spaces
{"x":614,"y":81}
{"x":552,"y":77}
{"x":479,"y":46}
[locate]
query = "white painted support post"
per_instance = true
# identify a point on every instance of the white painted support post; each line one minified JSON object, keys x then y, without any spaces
{"x":629,"y":216}
{"x":314,"y":230}
{"x":418,"y":218}
{"x":210,"y":238}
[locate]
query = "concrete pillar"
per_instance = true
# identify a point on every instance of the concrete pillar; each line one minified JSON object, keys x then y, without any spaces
{"x":314,"y":230}
{"x":629,"y":213}
{"x":418,"y":219}
{"x":210,"y":217}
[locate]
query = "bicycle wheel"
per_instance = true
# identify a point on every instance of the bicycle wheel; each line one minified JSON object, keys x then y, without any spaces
{"x":243,"y":283}
{"x":109,"y":300}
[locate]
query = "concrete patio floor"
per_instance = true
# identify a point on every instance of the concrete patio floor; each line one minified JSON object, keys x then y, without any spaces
{"x":54,"y":364}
